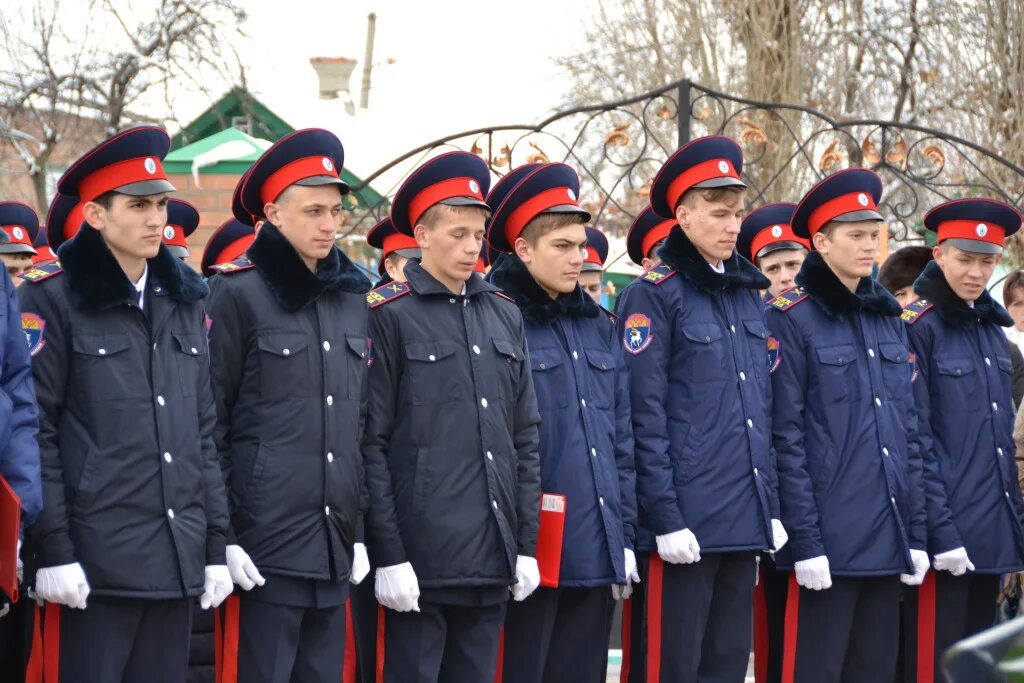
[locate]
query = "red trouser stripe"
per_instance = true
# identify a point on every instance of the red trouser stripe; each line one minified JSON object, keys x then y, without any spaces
{"x":348,"y":674}
{"x":790,"y":630}
{"x":500,"y":673}
{"x":381,"y":640}
{"x":230,"y":665}
{"x":51,"y":643}
{"x":654,"y":590}
{"x":34,"y":668}
{"x":760,"y":631}
{"x":627,"y":633}
{"x":926,"y":630}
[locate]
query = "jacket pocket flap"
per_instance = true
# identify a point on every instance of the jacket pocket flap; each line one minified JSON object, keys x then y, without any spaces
{"x":756,"y":328}
{"x":842,"y":354}
{"x":507,"y":348}
{"x":600,"y":360}
{"x":428,"y":352}
{"x":99,"y":344}
{"x":356,"y":345}
{"x":894,"y":353}
{"x":282,"y":344}
{"x":191,"y":344}
{"x":954,"y":366}
{"x":703,"y":333}
{"x":545,"y":359}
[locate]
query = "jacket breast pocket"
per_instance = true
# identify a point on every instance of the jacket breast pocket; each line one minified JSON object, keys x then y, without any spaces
{"x":550,"y":378}
{"x":104,"y":368}
{"x":431,"y":372}
{"x":602,"y":377}
{"x":705,"y":352}
{"x":355,"y":363}
{"x":896,"y":370}
{"x":191,"y":354}
{"x":757,"y":340}
{"x":958,"y":383}
{"x":512,"y":357}
{"x":836,"y":373}
{"x":284,"y":366}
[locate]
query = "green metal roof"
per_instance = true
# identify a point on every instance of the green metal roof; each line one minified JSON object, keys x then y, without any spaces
{"x":180,"y":160}
{"x":237,"y":102}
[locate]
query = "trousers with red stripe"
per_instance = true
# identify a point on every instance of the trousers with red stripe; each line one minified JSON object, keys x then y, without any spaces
{"x":699,"y":619}
{"x":769,"y":619}
{"x":848,"y":633}
{"x":364,"y":635}
{"x":943,"y":610}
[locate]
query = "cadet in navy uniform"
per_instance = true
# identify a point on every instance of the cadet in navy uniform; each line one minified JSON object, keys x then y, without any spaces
{"x":134,"y":515}
{"x":451,"y":439}
{"x":396,"y":251}
{"x":694,"y":329}
{"x":588,"y":507}
{"x":594,"y":256}
{"x":962,"y":390}
{"x":767,"y":240}
{"x":182,"y":221}
{"x":228,"y":243}
{"x":289,"y":354}
{"x":844,"y":433}
{"x":21,"y":226}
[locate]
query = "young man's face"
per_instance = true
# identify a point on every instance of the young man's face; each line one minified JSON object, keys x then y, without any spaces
{"x":781,"y":268}
{"x":133,"y":226}
{"x":1016,"y":308}
{"x":966,"y":272}
{"x":590,"y":281}
{"x":308,"y":218}
{"x":555,"y":259}
{"x":394,"y":265}
{"x":849,"y":249}
{"x":712,"y":227}
{"x":451,"y":244}
{"x":16,"y":264}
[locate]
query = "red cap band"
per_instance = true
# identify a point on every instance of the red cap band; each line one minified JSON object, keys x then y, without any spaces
{"x":534,"y":206}
{"x":593,"y":256}
{"x":775,"y":233}
{"x":234,"y":250}
{"x":655,"y":235}
{"x":438,"y":192}
{"x":291,"y":173}
{"x":706,"y":170}
{"x":74,"y":221}
{"x":174,"y":236}
{"x":120,"y":174}
{"x":480,"y":266}
{"x":846,"y":203}
{"x":972,"y":230}
{"x":18,"y":234}
{"x":43,"y":253}
{"x":396,"y":241}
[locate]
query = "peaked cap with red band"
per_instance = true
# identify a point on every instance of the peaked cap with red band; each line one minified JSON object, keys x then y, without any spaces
{"x":596,"y":250}
{"x":226,"y":244}
{"x":43,"y":252}
{"x":383,"y":236}
{"x":130,"y":162}
{"x":976,"y":225}
{"x":647,"y":229}
{"x":182,"y":221}
{"x":708,"y":162}
{"x":20,"y":225}
{"x":63,"y":220}
{"x":847,"y":196}
{"x":308,"y":157}
{"x":767,"y":229}
{"x":453,"y":178}
{"x":549,"y":188}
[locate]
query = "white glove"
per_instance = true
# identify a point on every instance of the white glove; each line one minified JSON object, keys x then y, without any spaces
{"x":632,"y":576}
{"x":813,"y":574}
{"x":779,"y":536}
{"x":64,"y":585}
{"x":398,"y":588}
{"x":20,"y":568}
{"x":679,"y":547}
{"x":243,"y":571}
{"x":216,"y":587}
{"x":527,"y":578}
{"x":954,"y":561}
{"x":921,"y":564}
{"x":360,"y":564}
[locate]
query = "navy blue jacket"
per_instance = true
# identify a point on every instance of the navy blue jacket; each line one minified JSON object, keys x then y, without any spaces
{"x":844,"y":426}
{"x":965,"y":410}
{"x":700,"y":392}
{"x":586,"y":440}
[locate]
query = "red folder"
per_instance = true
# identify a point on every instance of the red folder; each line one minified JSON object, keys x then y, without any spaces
{"x":10,"y":530}
{"x":549,"y":538}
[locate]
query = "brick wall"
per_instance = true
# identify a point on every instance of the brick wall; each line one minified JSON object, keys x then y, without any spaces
{"x":212,"y":198}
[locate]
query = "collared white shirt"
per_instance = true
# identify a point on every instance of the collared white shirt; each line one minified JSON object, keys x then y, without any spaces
{"x":720,"y":268}
{"x":140,"y":286}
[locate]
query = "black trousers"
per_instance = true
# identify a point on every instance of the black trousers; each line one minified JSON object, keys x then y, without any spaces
{"x":15,"y":638}
{"x":943,"y":610}
{"x":634,"y":652}
{"x":557,"y":635}
{"x":699,"y":619}
{"x":769,"y":621}
{"x":442,"y":643}
{"x":846,"y":634}
{"x":118,"y":639}
{"x":364,"y":634}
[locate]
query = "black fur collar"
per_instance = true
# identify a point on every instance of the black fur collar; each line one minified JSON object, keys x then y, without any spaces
{"x":835,"y":299}
{"x":512,"y":276}
{"x":953,"y":310}
{"x":293,"y":284}
{"x":679,"y":253}
{"x":96,"y":281}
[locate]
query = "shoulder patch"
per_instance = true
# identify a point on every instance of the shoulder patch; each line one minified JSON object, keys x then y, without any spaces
{"x":774,"y":354}
{"x":42,"y":272}
{"x":914,"y":310}
{"x":788,"y":299}
{"x":233,"y":266}
{"x":658,"y":274}
{"x":33,"y":326}
{"x":636,"y":333}
{"x":385,"y":293}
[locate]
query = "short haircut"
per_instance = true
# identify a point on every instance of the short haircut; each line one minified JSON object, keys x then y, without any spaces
{"x":1013,"y":287}
{"x":394,"y":258}
{"x":903,"y":267}
{"x":544,"y":223}
{"x":431,"y":215}
{"x":710,"y":194}
{"x":106,"y":199}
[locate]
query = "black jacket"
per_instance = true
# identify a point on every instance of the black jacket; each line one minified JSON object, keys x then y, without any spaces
{"x":132,"y":490}
{"x":289,"y":354}
{"x":451,"y":433}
